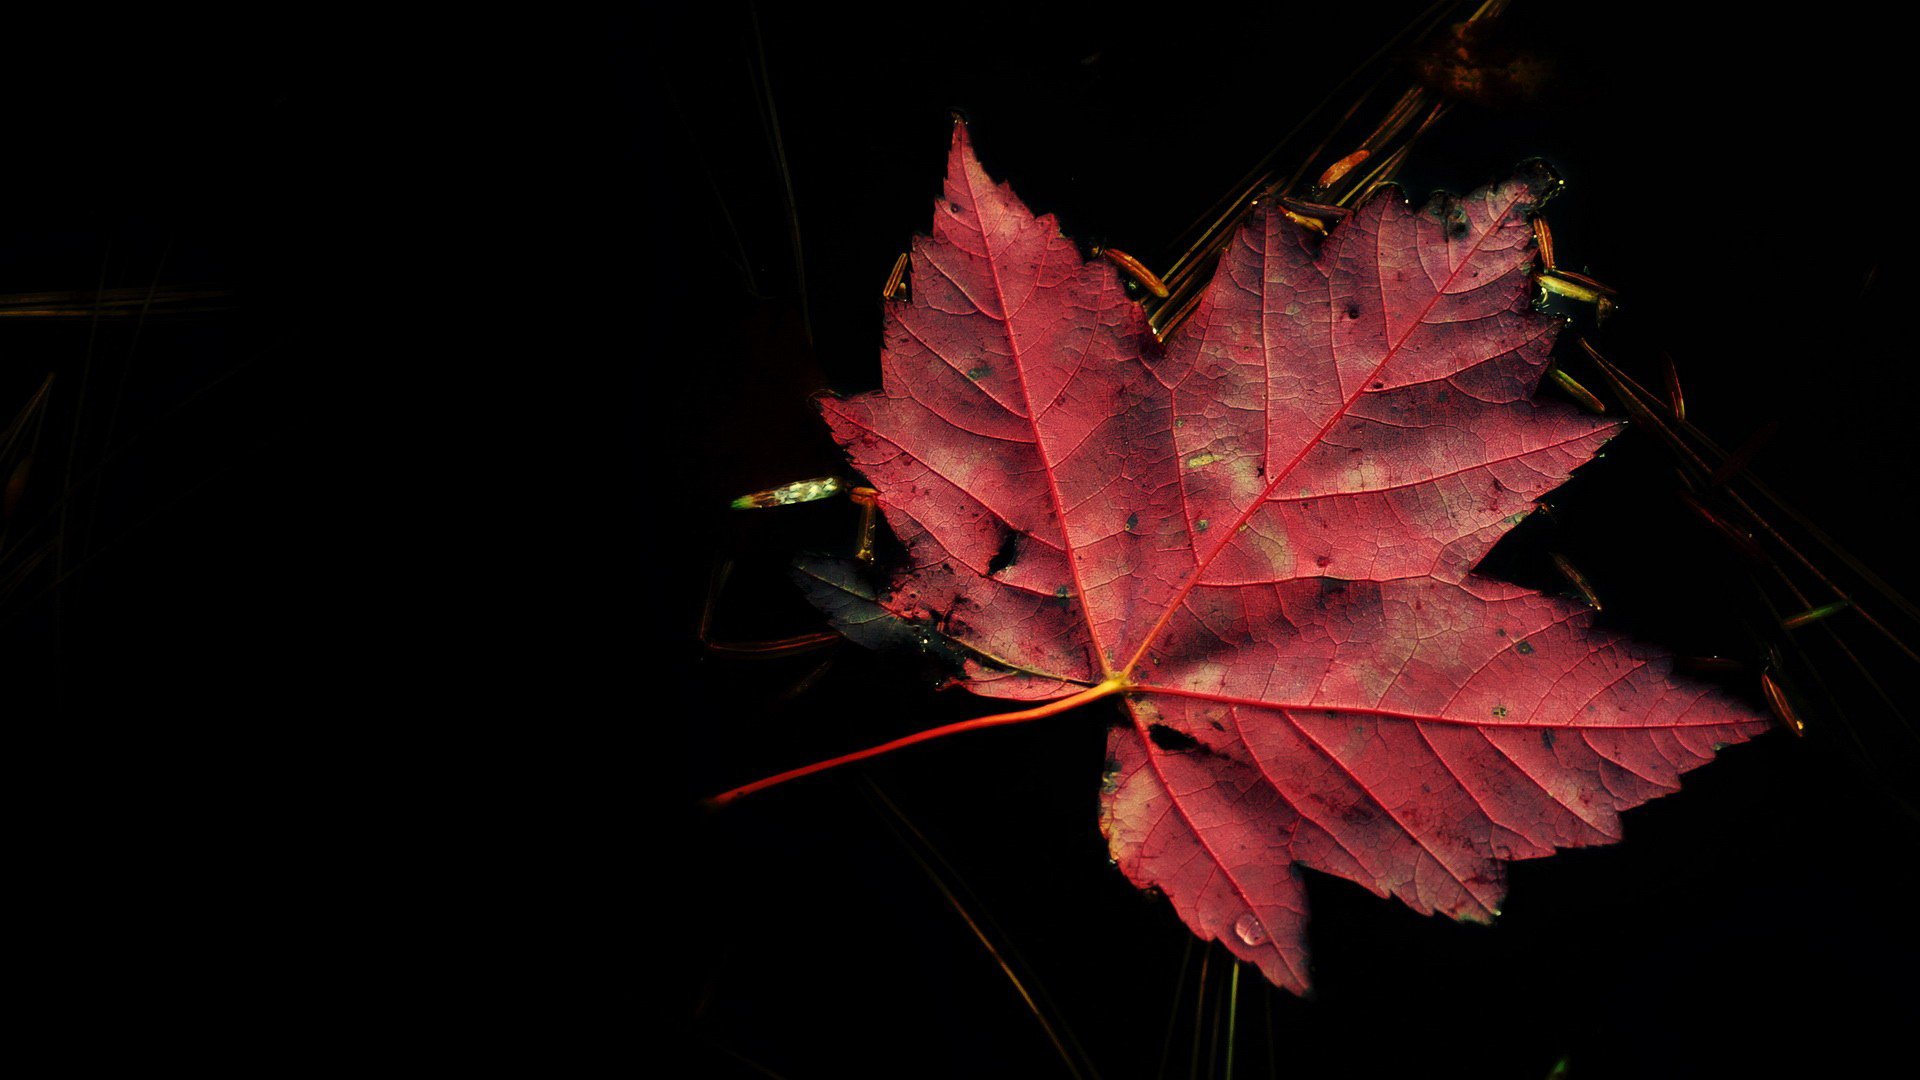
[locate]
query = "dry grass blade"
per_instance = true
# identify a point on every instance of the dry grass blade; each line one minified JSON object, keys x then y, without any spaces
{"x":925,"y":855}
{"x":1677,"y":434}
{"x":1384,"y":148}
{"x":895,"y":279}
{"x":774,"y":647}
{"x":1683,"y":437}
{"x":115,"y":303}
{"x":1173,"y":1011}
{"x":1233,"y":1017}
{"x":1199,"y":1014}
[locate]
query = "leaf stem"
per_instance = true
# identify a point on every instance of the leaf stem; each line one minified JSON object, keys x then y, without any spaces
{"x":1092,"y":693}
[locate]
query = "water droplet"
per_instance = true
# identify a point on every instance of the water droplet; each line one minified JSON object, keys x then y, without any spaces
{"x":1250,"y":929}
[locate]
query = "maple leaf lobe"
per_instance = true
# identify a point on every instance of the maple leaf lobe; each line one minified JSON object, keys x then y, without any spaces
{"x":1267,"y":527}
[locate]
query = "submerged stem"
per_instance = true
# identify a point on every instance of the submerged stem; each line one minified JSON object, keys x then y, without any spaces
{"x":1092,"y":693}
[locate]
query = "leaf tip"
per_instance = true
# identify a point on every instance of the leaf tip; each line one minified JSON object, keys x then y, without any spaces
{"x":962,"y":140}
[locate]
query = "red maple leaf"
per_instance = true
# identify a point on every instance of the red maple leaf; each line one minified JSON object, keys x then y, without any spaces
{"x":1260,"y":538}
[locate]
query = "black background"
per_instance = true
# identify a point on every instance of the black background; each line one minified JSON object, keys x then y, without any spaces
{"x":1732,"y":178}
{"x":224,"y":637}
{"x":277,"y":760}
{"x":183,"y":479}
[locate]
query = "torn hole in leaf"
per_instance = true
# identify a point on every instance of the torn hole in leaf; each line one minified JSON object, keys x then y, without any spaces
{"x":1008,"y":553}
{"x":1170,"y":739}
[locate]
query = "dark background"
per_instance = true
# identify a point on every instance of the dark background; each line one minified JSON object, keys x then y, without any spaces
{"x":183,"y":481}
{"x":223,"y":637}
{"x":296,"y":773}
{"x":1733,"y":179}
{"x":261,"y":813}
